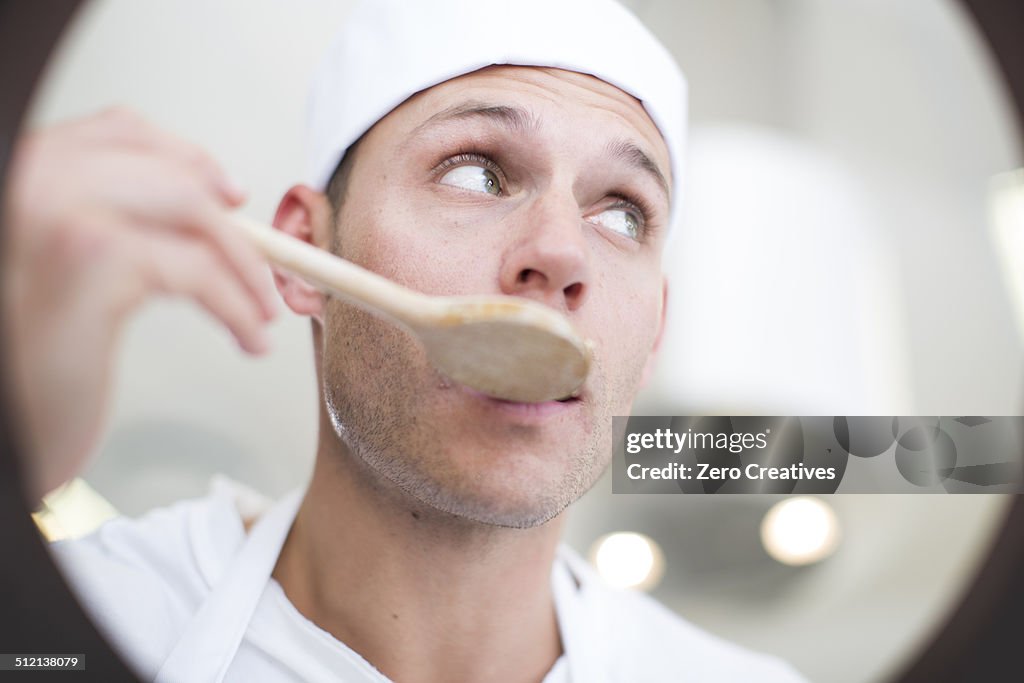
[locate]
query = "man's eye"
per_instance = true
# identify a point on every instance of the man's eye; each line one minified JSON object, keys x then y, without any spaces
{"x":623,"y":221}
{"x":475,"y":178}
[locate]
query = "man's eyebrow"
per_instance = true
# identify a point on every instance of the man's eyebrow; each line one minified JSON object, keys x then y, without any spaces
{"x":520,"y":120}
{"x":515,"y":119}
{"x":634,"y":156}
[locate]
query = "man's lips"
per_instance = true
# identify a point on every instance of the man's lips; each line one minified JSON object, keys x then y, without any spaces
{"x":525,"y":410}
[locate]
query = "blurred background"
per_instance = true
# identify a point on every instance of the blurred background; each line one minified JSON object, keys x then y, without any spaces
{"x":846,"y":252}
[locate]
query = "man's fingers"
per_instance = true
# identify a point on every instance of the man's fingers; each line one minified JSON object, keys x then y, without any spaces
{"x":177,"y":200}
{"x":191,"y":267}
{"x":196,"y":159}
{"x":169,"y":200}
{"x":213,"y":223}
{"x":232,"y":307}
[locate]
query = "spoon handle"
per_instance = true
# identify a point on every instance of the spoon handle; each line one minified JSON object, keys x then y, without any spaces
{"x":335,"y":275}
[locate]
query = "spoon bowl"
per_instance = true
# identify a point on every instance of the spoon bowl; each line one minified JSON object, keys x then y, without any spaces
{"x":507,"y":347}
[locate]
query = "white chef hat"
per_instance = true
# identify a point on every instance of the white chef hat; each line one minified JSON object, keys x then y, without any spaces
{"x":389,"y":50}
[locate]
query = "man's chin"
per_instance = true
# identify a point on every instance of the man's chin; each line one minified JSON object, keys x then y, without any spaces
{"x":508,"y":489}
{"x":507,"y":514}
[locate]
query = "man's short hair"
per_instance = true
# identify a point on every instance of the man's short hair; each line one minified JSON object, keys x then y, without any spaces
{"x":337,"y":189}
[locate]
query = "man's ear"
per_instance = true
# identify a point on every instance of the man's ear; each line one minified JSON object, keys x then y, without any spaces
{"x":652,"y":357}
{"x":304,"y":214}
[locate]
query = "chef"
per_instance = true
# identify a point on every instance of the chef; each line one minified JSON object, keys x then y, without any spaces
{"x":531,"y":149}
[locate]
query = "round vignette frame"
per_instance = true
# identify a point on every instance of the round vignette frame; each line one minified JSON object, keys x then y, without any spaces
{"x":977,"y":642}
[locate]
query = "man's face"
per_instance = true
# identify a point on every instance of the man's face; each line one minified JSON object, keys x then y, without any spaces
{"x":539,"y":183}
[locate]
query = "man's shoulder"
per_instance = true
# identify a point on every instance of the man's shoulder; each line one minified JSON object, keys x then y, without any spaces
{"x":645,"y":636}
{"x":179,"y":544}
{"x":142,"y":578}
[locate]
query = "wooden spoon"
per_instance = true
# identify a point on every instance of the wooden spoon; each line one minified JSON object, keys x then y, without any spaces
{"x":507,"y":347}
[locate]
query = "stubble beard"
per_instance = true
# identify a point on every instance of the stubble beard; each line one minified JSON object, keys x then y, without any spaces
{"x":373,"y":376}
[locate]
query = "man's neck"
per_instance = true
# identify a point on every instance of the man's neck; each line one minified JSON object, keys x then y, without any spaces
{"x":420,"y":594}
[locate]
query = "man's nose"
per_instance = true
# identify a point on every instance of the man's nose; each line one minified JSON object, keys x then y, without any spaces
{"x":548,"y":259}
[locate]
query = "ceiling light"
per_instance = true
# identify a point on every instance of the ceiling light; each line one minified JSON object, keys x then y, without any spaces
{"x":626,"y":559}
{"x":800,"y":531}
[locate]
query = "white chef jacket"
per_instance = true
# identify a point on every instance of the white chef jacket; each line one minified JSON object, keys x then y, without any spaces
{"x":187,"y":597}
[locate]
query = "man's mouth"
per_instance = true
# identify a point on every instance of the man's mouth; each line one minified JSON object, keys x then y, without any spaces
{"x":541,"y":410}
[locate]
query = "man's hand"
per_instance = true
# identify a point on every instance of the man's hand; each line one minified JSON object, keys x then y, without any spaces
{"x":102,"y":214}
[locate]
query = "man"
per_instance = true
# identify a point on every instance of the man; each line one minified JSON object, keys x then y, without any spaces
{"x":482,"y":149}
